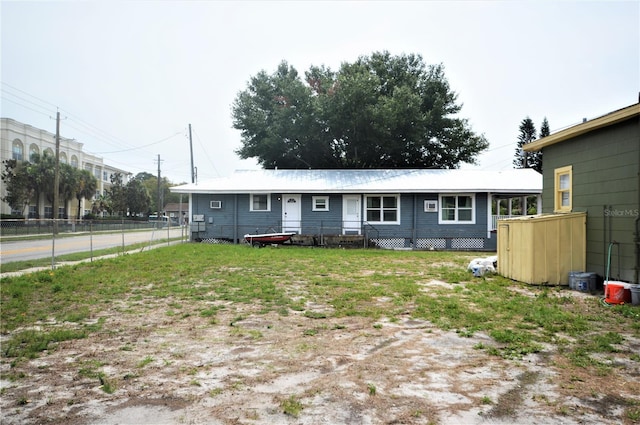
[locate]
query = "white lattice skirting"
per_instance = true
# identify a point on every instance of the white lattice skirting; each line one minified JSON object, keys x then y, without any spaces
{"x":467,"y":243}
{"x":430,"y":243}
{"x":389,"y":243}
{"x":216,"y":241}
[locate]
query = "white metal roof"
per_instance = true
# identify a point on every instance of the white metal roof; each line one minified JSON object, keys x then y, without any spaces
{"x":370,"y":181}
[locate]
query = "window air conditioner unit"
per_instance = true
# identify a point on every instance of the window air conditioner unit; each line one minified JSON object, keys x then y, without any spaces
{"x":216,"y":205}
{"x":430,"y":206}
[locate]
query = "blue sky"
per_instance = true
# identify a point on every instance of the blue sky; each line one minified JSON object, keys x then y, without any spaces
{"x":129,"y":76}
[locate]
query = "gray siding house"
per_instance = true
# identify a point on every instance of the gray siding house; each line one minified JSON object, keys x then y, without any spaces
{"x":594,"y":167}
{"x":403,"y":208}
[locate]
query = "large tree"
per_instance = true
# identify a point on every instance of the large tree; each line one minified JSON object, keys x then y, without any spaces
{"x":150,"y":182}
{"x":138,"y":199}
{"x":381,"y":111}
{"x":116,"y":195}
{"x":536,"y":157}
{"x":527,"y":134}
{"x":17,"y":182}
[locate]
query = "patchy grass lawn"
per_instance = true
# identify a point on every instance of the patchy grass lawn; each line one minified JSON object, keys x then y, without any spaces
{"x":305,"y":335}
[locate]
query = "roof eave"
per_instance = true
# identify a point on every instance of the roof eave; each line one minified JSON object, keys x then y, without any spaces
{"x":359,"y":191}
{"x":585,"y":127}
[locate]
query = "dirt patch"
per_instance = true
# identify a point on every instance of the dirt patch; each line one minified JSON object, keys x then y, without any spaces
{"x":252,"y":367}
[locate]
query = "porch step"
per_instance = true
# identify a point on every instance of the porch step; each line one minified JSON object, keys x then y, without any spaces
{"x":330,"y":241}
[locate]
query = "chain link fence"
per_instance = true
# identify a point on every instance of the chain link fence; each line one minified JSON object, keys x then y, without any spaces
{"x":37,"y":239}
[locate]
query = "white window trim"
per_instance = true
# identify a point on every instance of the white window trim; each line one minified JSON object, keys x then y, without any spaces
{"x":456,"y":221}
{"x":326,"y":202}
{"x":268,"y":195}
{"x":397,"y":196}
{"x":17,"y":150}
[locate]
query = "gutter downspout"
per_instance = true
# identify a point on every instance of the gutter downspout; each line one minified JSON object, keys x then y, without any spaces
{"x":637,"y":249}
{"x":236,"y":236}
{"x":637,"y":235}
{"x":604,"y":238}
{"x":414,"y":236}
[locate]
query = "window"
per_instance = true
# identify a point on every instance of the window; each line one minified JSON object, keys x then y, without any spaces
{"x":105,"y":176}
{"x":383,"y":209}
{"x":63,"y":158}
{"x":320,"y":203}
{"x":74,"y":161}
{"x":563,"y":183}
{"x":260,"y":202}
{"x":33,"y":150}
{"x":457,"y":209}
{"x":17,"y":150}
{"x":216,"y":205}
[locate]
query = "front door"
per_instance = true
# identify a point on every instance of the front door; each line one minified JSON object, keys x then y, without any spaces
{"x":291,"y":213}
{"x":351,"y":210}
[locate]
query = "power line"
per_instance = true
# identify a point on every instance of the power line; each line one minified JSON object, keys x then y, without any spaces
{"x":28,"y":94}
{"x":26,"y":107}
{"x":206,"y":155}
{"x":140,"y":147}
{"x":92,"y":130}
{"x":96,"y":132}
{"x":78,"y":124}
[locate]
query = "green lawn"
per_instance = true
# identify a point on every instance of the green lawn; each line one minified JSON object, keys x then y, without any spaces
{"x":522,"y":319}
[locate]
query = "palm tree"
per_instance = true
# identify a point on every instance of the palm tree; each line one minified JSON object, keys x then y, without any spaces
{"x":68,"y":185}
{"x":41,"y":170}
{"x":87,"y":185}
{"x":100,"y":204}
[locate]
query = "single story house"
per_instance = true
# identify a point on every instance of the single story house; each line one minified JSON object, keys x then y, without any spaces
{"x":177,"y":211}
{"x":594,"y":167}
{"x":400,"y":208}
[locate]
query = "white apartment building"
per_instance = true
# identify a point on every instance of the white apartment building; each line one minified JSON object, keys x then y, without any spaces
{"x":20,"y":141}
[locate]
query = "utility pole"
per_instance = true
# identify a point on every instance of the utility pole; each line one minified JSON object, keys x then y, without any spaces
{"x":159,"y":192}
{"x":56,"y":178}
{"x":193,"y":180}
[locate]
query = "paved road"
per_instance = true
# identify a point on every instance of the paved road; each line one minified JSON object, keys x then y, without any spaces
{"x":34,"y":249}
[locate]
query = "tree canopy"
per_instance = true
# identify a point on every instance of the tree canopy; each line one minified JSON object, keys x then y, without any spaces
{"x":527,"y":134}
{"x":381,"y":111}
{"x":27,"y":181}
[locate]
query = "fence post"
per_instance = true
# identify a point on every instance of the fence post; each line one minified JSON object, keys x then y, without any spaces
{"x":122,"y":231}
{"x":53,"y":246}
{"x":91,"y":239}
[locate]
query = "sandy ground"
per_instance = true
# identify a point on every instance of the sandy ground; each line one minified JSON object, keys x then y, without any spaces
{"x":254,"y":368}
